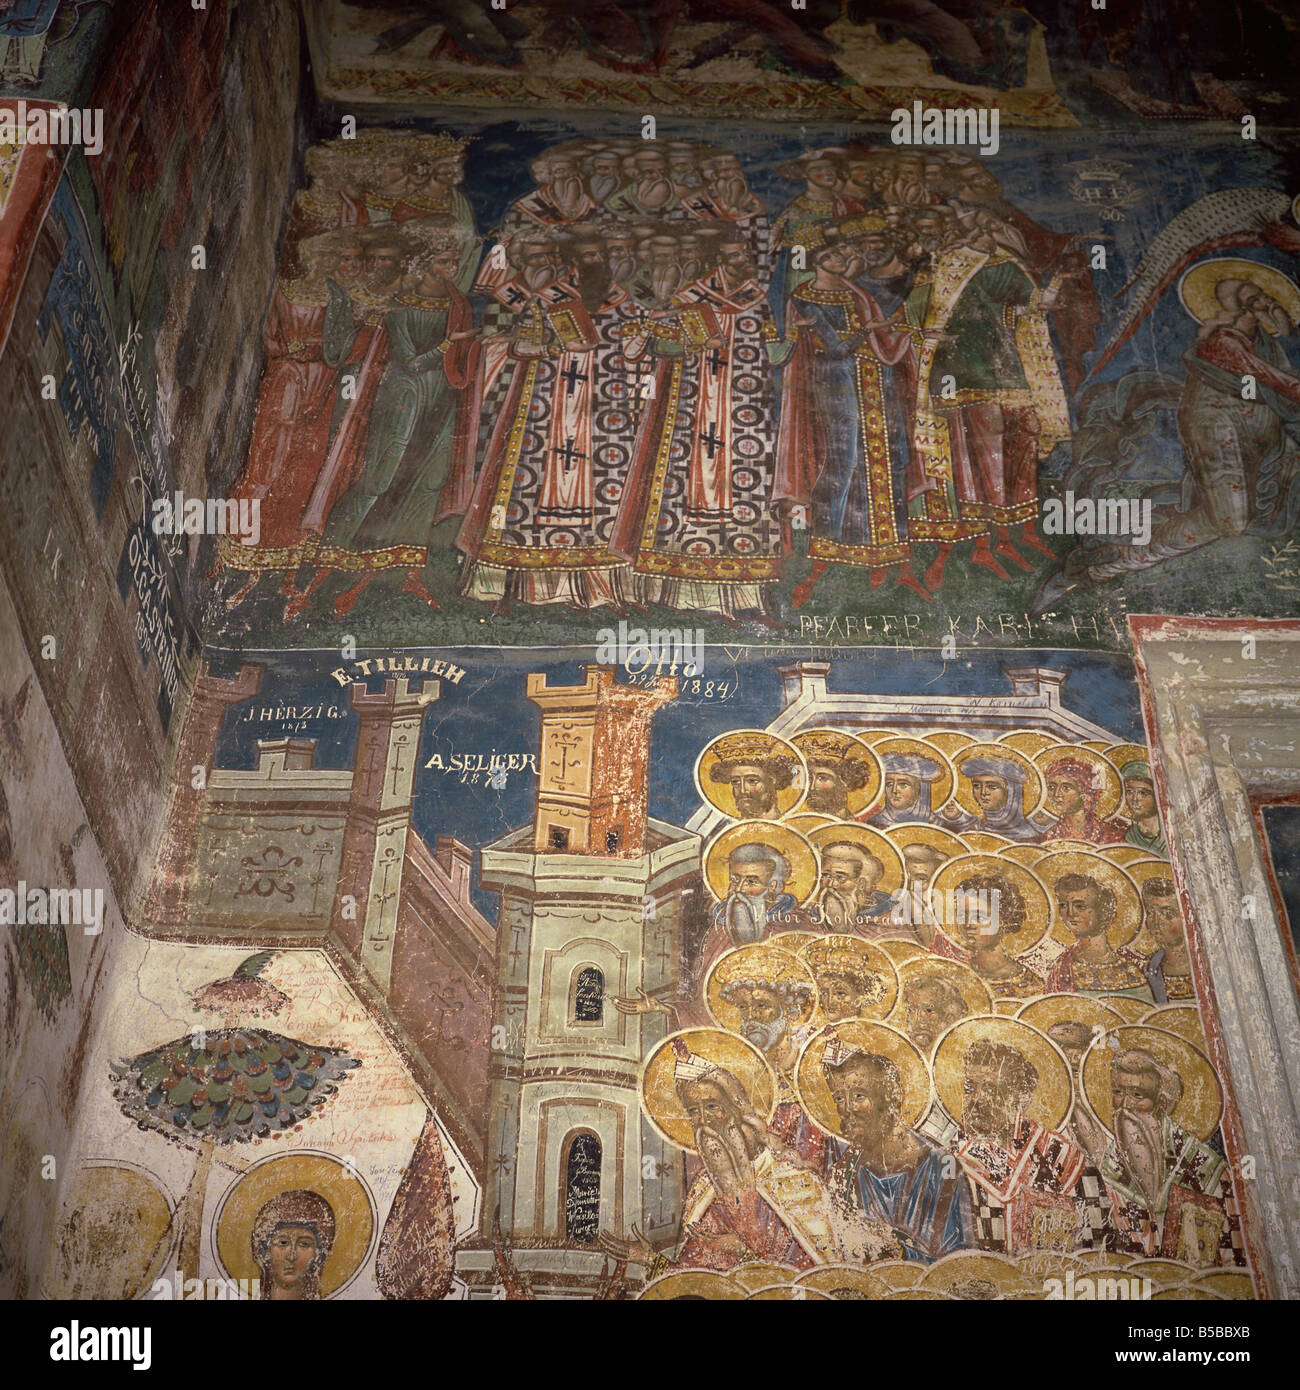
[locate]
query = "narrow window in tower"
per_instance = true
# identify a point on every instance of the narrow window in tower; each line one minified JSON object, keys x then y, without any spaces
{"x":613,"y":838}
{"x":589,"y":996}
{"x":582,"y":1189}
{"x":559,"y":837}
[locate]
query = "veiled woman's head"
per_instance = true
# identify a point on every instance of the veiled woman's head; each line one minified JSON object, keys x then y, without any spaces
{"x":292,"y":1237}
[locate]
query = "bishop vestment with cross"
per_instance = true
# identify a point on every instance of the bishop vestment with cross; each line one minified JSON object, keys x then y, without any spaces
{"x":696,"y":519}
{"x":550,"y":475}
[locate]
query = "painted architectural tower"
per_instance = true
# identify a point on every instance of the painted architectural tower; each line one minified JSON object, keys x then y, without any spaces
{"x":591,"y":909}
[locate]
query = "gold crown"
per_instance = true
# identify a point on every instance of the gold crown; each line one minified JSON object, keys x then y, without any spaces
{"x":766,"y":965}
{"x":825,"y":743}
{"x":741,"y":748}
{"x":827,"y":955}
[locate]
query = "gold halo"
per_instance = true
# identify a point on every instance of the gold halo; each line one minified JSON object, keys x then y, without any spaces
{"x":873,"y":736}
{"x":1047,"y":1009}
{"x":1185,"y":1293}
{"x":900,"y":949}
{"x":1230,"y":1283}
{"x":807,"y":741}
{"x":902,"y":1274}
{"x":354,"y":1214}
{"x":788,"y":1293}
{"x":919,"y":748}
{"x":1049,"y":1264}
{"x":755,"y":743}
{"x":1183,"y":1019}
{"x":1122,"y":753}
{"x":826,"y":951}
{"x":1098,"y":745}
{"x":1196,"y":288}
{"x":1102,"y":1259}
{"x":1162,"y":1271}
{"x":948,"y":741}
{"x":1111,"y":792}
{"x":1050,"y":1103}
{"x":745,"y":1062}
{"x":1200,"y":1107}
{"x":810,"y":1079}
{"x":873,"y":841}
{"x":955,"y":1270}
{"x":1028,"y":741}
{"x":805,"y":822}
{"x":985,"y":842}
{"x":1124,"y":855}
{"x":840,"y":1281}
{"x":1054,"y":866}
{"x":691,"y":1283}
{"x":1071,"y":846}
{"x":1129,"y":1008}
{"x":1028,"y":855}
{"x":1038,"y":902}
{"x":1141,"y":871}
{"x":761,"y":1274}
{"x":758,"y":961}
{"x":948,"y":844}
{"x":914,"y":1295}
{"x":1032,"y":798}
{"x":788,"y":842}
{"x":114,"y":1196}
{"x":975,"y":993}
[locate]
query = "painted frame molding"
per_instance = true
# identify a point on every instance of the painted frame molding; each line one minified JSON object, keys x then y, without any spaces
{"x":1221,"y":704}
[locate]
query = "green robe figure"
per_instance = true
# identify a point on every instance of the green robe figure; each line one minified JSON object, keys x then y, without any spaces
{"x":384,"y":522}
{"x":990,"y":403}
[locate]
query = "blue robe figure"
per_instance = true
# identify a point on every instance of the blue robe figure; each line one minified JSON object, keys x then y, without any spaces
{"x":928,"y":1205}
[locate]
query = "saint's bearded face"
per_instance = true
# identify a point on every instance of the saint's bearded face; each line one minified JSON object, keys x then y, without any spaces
{"x":1135,"y":1092}
{"x":866,"y":1107}
{"x":929,"y":1014}
{"x":383,"y":265}
{"x":723,"y":1145}
{"x":840,"y":995}
{"x":763,"y":1019}
{"x":753,"y":792}
{"x":749,"y":880}
{"x":989,"y":1103}
{"x":827,"y":793}
{"x":539,"y":264}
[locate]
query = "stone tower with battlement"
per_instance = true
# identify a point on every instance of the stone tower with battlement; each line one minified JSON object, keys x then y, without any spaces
{"x":591,"y":910}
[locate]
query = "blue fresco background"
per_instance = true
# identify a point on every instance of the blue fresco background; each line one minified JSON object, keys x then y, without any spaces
{"x":488,"y":711}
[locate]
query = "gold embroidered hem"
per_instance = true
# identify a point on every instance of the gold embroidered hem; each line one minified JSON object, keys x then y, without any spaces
{"x":520,"y":557}
{"x":717,"y":569}
{"x":258,"y":559}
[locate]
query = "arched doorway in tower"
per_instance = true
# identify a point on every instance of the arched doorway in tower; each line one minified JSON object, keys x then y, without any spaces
{"x":581,"y":1176}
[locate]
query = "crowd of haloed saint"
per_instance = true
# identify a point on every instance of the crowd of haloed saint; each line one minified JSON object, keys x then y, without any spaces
{"x":642,"y":382}
{"x":944,"y":1008}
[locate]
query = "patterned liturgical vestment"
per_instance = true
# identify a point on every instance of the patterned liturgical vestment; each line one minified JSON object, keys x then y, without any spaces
{"x":696,"y":520}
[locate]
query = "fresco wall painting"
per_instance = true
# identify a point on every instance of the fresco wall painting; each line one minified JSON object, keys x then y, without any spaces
{"x":652,"y":773}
